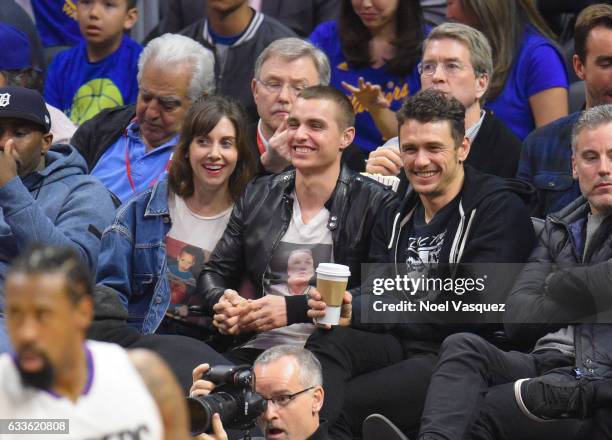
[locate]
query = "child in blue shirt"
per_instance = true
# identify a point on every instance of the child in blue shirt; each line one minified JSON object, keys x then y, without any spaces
{"x":101,"y":71}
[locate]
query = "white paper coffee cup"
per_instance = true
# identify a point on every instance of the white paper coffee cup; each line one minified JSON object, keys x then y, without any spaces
{"x":331,"y":283}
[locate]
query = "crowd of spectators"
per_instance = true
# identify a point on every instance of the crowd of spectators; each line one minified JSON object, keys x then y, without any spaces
{"x":173,"y":197}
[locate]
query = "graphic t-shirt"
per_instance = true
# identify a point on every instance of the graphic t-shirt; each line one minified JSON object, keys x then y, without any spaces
{"x":82,"y":89}
{"x":56,"y":22}
{"x":189,"y":243}
{"x":538,"y":66}
{"x":394,"y":87}
{"x":423,"y":243}
{"x":292,"y":271}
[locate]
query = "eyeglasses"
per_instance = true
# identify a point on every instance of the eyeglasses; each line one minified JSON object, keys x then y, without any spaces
{"x":284,"y":399}
{"x":275,"y":87}
{"x":450,"y":68}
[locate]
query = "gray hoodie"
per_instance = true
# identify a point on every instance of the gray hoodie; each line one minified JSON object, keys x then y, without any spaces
{"x":60,"y":205}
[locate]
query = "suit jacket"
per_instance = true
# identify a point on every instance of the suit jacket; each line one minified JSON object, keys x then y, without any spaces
{"x":301,"y":16}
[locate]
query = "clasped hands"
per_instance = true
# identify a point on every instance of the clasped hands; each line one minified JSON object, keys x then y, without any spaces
{"x":235,"y":314}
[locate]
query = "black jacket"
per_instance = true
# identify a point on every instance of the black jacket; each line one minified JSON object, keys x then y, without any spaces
{"x":492,"y":225}
{"x":95,"y":136}
{"x":233,"y":76}
{"x":301,"y":16}
{"x":553,"y":290}
{"x":496,"y":149}
{"x":260,"y":219}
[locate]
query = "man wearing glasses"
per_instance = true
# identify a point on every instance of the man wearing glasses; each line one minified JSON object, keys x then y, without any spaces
{"x":289,"y":377}
{"x":129,"y":148}
{"x":457,"y":60}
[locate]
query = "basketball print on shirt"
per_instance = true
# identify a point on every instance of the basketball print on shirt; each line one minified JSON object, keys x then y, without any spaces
{"x":93,"y":97}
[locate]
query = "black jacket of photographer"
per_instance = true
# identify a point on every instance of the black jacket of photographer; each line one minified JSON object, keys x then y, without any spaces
{"x":491,"y":225}
{"x":562,"y":285}
{"x":260,"y":219}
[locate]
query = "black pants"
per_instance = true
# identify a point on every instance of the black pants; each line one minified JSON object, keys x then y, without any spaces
{"x":471,"y":394}
{"x":367,"y":372}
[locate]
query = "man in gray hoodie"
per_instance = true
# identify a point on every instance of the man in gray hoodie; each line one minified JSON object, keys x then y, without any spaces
{"x":45,"y":194}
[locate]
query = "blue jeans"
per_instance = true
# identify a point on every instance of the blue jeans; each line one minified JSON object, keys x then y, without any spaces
{"x":5,"y":343}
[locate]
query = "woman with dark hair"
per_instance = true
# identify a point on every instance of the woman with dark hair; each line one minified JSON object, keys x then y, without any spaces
{"x":374,"y":48}
{"x":528,"y":87}
{"x":150,"y":252}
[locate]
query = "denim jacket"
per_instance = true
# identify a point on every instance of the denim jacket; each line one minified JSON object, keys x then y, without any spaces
{"x":133,"y":257}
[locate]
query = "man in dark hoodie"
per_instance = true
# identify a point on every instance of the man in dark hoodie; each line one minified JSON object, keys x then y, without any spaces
{"x":451,"y":214}
{"x":45,"y":194}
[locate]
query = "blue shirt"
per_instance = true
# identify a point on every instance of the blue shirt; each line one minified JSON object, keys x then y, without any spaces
{"x":395,"y":87}
{"x":539,"y":66}
{"x":145,"y":168}
{"x":82,"y":89}
{"x":56,"y":22}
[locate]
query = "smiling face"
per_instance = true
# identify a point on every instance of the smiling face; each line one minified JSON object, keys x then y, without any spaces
{"x":314,"y":135}
{"x":213,"y":156}
{"x":375,"y":14}
{"x":162,"y":102}
{"x":458,"y":79}
{"x":273,"y":106}
{"x":432,"y":160}
{"x":299,"y":418}
{"x":592,"y":166}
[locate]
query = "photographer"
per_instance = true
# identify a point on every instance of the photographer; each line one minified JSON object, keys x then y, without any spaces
{"x":289,"y":378}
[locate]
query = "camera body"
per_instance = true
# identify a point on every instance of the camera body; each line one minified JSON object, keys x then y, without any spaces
{"x":233,"y":399}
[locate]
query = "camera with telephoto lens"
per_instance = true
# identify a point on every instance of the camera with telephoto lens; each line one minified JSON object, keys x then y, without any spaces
{"x":233,"y":399}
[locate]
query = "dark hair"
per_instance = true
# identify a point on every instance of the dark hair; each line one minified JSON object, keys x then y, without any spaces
{"x":345,"y":112}
{"x":131,"y":4}
{"x":588,"y":19}
{"x":45,"y":259}
{"x":201,"y":119}
{"x":409,"y":35}
{"x":432,"y":105}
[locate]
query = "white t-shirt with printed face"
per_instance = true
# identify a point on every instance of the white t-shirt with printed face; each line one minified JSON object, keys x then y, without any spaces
{"x":291,"y":271}
{"x":189,"y":243}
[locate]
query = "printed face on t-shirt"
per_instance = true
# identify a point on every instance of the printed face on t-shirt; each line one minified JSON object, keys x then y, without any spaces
{"x":293,"y":265}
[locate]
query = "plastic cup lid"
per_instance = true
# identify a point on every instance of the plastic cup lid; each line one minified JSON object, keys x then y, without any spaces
{"x":332,"y":269}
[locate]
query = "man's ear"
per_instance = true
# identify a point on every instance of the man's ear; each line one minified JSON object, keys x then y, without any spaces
{"x":463,"y":149}
{"x":47,"y":140}
{"x":578,"y":66}
{"x":85,"y":312}
{"x":347,"y":138}
{"x":574,"y":171}
{"x":131,"y":17}
{"x":482,"y":84}
{"x":317,"y":399}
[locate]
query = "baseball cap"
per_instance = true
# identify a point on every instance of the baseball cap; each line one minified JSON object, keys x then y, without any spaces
{"x":16,"y":51}
{"x":22,"y":103}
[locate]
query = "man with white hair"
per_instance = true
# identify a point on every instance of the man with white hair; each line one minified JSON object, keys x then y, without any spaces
{"x":128,"y":148}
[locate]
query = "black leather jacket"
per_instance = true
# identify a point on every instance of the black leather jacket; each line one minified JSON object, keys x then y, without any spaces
{"x":261,"y":218}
